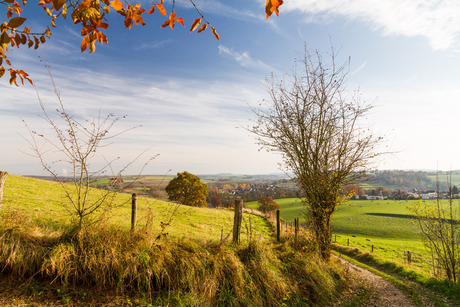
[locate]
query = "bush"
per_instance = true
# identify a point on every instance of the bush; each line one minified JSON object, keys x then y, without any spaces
{"x":267,"y":204}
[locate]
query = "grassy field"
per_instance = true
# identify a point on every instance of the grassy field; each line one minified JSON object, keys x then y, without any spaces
{"x":45,"y":203}
{"x":387,"y":225}
{"x":47,"y":263}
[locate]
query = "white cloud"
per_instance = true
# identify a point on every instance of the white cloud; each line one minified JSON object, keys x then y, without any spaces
{"x":244,"y":59}
{"x":190,"y":123}
{"x":438,"y":21}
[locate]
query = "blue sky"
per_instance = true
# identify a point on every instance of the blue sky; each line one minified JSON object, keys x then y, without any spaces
{"x":190,"y":92}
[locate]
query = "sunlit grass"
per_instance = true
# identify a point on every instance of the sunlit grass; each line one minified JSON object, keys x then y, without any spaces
{"x":45,"y":203}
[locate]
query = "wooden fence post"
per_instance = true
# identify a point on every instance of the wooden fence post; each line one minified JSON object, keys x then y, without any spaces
{"x":296,"y":228}
{"x":237,"y":220}
{"x":278,"y":226}
{"x":3,"y":176}
{"x":409,"y":257}
{"x":133,"y":211}
{"x":372,"y":248}
{"x":348,"y":242}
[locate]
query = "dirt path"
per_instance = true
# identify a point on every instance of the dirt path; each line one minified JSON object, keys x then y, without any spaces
{"x":383,"y":293}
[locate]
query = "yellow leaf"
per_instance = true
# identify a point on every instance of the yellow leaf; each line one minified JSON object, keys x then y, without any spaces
{"x":195,"y":24}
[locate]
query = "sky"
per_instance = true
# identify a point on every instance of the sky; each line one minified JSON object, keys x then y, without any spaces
{"x":191,"y":96}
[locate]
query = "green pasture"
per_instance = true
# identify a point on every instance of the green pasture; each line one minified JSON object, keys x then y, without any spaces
{"x":444,"y":178}
{"x":45,"y":203}
{"x":387,"y":225}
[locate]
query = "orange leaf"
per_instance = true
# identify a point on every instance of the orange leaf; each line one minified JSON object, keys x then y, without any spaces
{"x":57,"y":4}
{"x":84,"y":43}
{"x":166,"y":23}
{"x":161,"y":8}
{"x":172,"y":19}
{"x":202,"y":28}
{"x":103,"y":25}
{"x":272,"y":6}
{"x":16,"y":22}
{"x":196,"y":23}
{"x":84,"y":5}
{"x":117,"y":5}
{"x":180,"y":20}
{"x":152,"y":9}
{"x":215,"y":33}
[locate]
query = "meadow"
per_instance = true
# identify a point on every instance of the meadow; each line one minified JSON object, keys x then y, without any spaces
{"x":45,"y":260}
{"x":385,"y":227}
{"x":45,"y":203}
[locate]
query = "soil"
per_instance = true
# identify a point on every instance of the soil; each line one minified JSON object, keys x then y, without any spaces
{"x":382,"y":293}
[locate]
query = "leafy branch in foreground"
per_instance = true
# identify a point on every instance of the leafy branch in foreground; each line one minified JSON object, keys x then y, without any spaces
{"x":91,"y":16}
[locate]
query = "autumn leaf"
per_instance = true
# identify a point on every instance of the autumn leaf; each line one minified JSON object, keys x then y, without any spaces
{"x":152,"y":9}
{"x":196,"y":23}
{"x":57,"y":4}
{"x":16,"y":22}
{"x":172,"y":19}
{"x":117,"y":5}
{"x":161,"y":8}
{"x":165,"y":24}
{"x":215,"y":33}
{"x":84,"y":43}
{"x":202,"y":28}
{"x":272,"y":6}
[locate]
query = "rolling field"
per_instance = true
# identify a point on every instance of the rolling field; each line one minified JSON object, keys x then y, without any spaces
{"x":387,"y":225}
{"x":44,"y":203}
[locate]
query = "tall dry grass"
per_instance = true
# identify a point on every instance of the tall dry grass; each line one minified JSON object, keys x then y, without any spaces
{"x":169,"y":271}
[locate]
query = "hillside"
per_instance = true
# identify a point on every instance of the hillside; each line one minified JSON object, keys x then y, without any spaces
{"x":46,"y":262}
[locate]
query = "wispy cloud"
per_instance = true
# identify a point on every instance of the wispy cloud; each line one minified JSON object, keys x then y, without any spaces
{"x":191,"y":123}
{"x":153,"y":45}
{"x":361,"y":67}
{"x":244,"y":59}
{"x":438,"y":21}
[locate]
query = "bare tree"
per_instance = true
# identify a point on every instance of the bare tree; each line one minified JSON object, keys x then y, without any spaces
{"x":312,"y":122}
{"x":439,"y":224}
{"x":75,"y":144}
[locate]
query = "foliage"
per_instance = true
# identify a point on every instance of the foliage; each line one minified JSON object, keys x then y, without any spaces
{"x":187,"y":189}
{"x":92,"y":17}
{"x":314,"y":125}
{"x":267,"y":204}
{"x":216,"y":202}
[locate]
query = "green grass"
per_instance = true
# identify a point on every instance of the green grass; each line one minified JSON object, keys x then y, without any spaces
{"x":387,"y":225}
{"x":45,"y":203}
{"x":444,"y":177}
{"x":290,"y":208}
{"x":190,"y":267}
